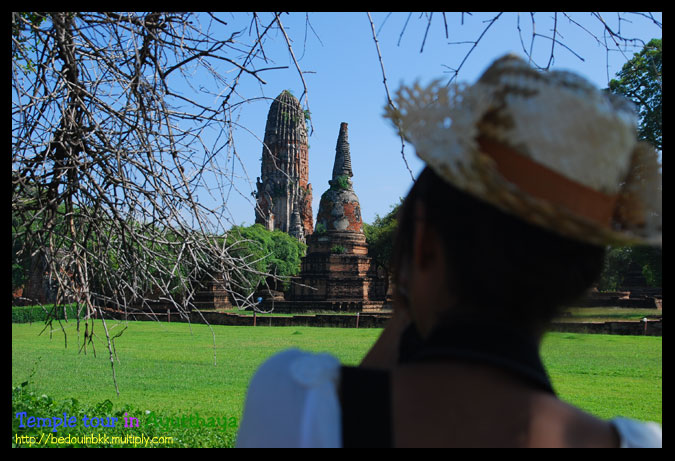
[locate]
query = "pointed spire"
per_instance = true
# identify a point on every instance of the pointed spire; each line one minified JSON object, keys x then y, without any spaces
{"x":343,"y":159}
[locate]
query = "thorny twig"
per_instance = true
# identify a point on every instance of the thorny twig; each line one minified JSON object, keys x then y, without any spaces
{"x":110,"y":152}
{"x":389,"y":100}
{"x":305,"y":92}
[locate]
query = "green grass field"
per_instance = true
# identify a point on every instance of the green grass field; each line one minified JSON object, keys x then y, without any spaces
{"x":169,"y":368}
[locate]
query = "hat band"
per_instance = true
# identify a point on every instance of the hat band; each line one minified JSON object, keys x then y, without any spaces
{"x":544,"y":183}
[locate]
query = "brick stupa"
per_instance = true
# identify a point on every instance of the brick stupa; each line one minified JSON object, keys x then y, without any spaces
{"x":337,"y":273}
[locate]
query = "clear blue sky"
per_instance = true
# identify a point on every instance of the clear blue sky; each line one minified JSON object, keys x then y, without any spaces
{"x":345,"y":84}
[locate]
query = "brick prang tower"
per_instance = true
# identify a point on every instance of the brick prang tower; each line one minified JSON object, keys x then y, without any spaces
{"x":284,"y":195}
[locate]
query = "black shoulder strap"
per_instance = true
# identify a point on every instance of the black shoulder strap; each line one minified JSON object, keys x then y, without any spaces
{"x":366,"y":408}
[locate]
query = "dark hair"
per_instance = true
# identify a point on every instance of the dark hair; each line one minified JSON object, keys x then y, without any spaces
{"x":498,"y":263}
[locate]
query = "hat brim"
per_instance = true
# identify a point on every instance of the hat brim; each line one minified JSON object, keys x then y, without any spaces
{"x":441,"y":122}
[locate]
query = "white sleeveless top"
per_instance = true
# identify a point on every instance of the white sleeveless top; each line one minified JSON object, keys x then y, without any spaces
{"x":292,"y":401}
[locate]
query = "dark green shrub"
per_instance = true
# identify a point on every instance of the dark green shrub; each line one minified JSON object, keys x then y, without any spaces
{"x":29,"y":314}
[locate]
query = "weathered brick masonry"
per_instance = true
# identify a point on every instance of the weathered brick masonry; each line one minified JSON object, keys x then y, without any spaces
{"x":337,"y":267}
{"x":284,"y":195}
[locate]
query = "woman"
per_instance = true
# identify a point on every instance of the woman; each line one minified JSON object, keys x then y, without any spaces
{"x":529,"y":176}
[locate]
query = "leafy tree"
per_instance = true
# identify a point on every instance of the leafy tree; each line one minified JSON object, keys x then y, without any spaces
{"x":650,"y":259}
{"x":380,"y":237}
{"x":616,"y":264}
{"x":640,"y":79}
{"x":266,"y":252}
{"x":618,"y":261}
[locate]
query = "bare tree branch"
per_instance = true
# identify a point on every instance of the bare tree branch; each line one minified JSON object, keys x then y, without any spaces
{"x":112,"y":143}
{"x":305,"y":92}
{"x":431,"y":15}
{"x":475,"y":44}
{"x":389,"y":101}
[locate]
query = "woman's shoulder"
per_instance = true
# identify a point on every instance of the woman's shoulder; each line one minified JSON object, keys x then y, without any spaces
{"x":583,"y":429}
{"x":285,"y":396}
{"x":638,"y":434}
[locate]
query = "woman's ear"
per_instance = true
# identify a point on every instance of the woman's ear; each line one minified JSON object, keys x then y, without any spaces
{"x":430,"y":297}
{"x":427,"y":248}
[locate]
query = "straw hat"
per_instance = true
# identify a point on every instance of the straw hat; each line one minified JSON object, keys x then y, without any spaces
{"x":547,"y":147}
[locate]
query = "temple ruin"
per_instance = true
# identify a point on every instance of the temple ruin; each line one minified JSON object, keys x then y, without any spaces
{"x":284,"y":195}
{"x":337,"y":273}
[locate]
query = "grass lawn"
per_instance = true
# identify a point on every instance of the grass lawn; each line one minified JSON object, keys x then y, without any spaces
{"x":607,"y":375}
{"x":169,"y":368}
